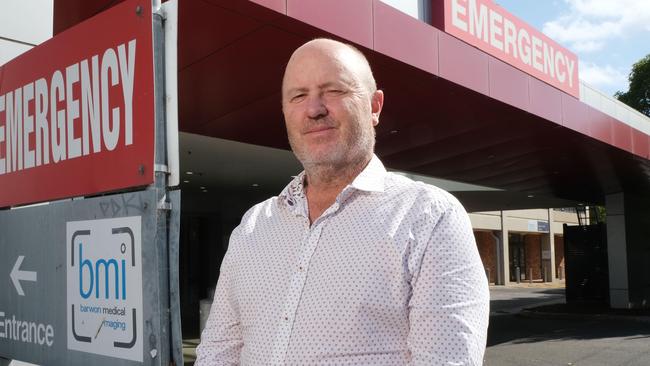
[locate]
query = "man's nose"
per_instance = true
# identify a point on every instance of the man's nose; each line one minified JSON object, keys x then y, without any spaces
{"x":316,"y":108}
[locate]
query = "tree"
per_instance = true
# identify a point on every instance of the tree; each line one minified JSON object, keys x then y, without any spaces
{"x":638,"y":96}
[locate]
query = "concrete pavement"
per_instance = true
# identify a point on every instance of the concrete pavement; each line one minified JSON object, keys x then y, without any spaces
{"x":545,"y":341}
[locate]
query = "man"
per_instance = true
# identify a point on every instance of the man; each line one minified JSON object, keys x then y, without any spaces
{"x":350,"y":264}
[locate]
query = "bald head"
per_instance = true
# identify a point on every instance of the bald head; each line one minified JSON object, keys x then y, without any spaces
{"x":345,"y":56}
{"x":331,"y":106}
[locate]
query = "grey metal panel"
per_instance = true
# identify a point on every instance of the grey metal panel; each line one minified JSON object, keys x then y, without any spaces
{"x":174,"y":280}
{"x":39,"y":234}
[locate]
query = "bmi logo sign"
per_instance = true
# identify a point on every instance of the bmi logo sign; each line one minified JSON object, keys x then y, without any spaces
{"x":104,"y":287}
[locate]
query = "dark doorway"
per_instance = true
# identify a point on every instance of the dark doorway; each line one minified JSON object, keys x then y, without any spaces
{"x":587,"y":273}
{"x":517,"y":251}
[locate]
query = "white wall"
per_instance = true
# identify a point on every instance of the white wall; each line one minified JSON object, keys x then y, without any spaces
{"x":518,"y":220}
{"x":410,"y":7}
{"x":614,"y":108}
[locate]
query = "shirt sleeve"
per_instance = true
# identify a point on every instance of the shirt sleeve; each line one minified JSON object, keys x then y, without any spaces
{"x":221,"y":340}
{"x":449,"y":305}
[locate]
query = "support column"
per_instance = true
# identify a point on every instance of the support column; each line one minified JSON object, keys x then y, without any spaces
{"x":550,"y":265}
{"x":504,"y":254}
{"x":619,"y":296}
{"x":498,"y":241}
{"x":628,"y":246}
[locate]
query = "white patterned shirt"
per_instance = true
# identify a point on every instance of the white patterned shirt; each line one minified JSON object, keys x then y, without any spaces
{"x":388,"y":275}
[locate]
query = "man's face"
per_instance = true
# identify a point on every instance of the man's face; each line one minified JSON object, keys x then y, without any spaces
{"x":329,"y":114}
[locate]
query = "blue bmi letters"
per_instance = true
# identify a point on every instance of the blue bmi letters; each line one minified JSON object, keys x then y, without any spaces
{"x":95,"y":275}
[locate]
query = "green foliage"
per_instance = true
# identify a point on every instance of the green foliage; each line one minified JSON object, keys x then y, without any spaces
{"x":638,"y":96}
{"x":597,"y":214}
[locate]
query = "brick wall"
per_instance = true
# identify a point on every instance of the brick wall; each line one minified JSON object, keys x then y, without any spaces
{"x":487,"y":249}
{"x":533,"y":245}
{"x":559,"y":256}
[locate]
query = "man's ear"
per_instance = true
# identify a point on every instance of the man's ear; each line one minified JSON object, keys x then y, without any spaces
{"x":376,"y":104}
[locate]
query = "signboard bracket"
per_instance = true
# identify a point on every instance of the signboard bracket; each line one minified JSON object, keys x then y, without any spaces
{"x":161,"y":168}
{"x":164,"y":205}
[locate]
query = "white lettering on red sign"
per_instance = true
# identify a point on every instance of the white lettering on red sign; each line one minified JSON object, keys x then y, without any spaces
{"x":504,"y":36}
{"x":56,"y":139}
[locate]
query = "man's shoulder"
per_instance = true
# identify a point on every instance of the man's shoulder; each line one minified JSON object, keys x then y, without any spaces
{"x":403,"y":184}
{"x":265,"y":207}
{"x":424,"y":193}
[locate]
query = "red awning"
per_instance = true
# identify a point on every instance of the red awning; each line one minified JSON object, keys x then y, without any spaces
{"x":452,"y":111}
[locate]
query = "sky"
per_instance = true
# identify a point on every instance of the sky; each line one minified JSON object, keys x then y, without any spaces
{"x":26,"y":21}
{"x":608,"y":36}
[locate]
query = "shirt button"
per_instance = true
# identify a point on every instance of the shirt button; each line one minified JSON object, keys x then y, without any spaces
{"x":286,"y":318}
{"x":300,"y":268}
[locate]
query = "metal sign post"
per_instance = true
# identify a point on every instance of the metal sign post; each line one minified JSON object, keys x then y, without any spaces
{"x":168,"y":201}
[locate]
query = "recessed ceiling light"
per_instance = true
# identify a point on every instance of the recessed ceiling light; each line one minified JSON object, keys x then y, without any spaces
{"x":189,"y":173}
{"x":186,"y":181}
{"x":255,"y":185}
{"x":531,"y":196}
{"x":202,"y":188}
{"x":393,"y":131}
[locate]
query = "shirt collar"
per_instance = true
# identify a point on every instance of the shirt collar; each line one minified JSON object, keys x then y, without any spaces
{"x":293,"y":191}
{"x":371,"y":179}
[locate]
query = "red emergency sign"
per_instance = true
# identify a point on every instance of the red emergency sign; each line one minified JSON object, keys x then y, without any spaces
{"x":77,"y":112}
{"x":486,"y":25}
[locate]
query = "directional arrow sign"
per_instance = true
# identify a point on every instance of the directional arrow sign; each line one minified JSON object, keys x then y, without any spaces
{"x":17,"y":275}
{"x":106,"y":261}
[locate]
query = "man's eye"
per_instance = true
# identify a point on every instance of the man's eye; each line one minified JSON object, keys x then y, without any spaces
{"x":298,"y":97}
{"x":335,"y":92}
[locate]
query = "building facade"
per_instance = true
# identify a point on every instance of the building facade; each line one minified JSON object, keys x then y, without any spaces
{"x":522,"y":245}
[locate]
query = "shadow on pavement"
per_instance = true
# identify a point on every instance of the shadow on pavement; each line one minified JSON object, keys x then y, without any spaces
{"x":518,"y":329}
{"x":507,"y":302}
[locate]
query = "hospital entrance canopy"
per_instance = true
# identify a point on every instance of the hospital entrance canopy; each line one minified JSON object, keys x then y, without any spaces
{"x":452,"y":110}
